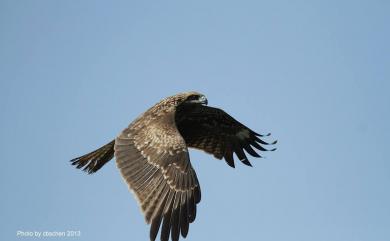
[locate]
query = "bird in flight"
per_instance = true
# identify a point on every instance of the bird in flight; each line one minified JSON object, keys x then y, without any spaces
{"x":152,"y":157}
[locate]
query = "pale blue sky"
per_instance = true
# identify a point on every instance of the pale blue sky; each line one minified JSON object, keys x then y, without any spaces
{"x":316,"y":74}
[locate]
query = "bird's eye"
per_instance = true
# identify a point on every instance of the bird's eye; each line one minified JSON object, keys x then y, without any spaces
{"x":193,"y":97}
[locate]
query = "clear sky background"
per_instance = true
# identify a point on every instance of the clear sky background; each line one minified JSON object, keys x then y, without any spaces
{"x":316,"y":74}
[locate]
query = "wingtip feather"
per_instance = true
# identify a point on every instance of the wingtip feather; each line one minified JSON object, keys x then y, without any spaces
{"x":246,"y":162}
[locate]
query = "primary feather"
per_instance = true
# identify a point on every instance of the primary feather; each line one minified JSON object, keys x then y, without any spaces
{"x":153,"y":159}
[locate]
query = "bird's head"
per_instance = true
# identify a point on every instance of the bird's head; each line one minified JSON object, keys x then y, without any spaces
{"x":189,"y":98}
{"x":195,"y":98}
{"x":183,"y":100}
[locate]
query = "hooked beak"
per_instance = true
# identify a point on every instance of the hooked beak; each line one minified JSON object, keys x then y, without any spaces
{"x":203,"y":100}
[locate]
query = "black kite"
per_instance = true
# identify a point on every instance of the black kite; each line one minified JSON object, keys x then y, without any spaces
{"x":152,"y":156}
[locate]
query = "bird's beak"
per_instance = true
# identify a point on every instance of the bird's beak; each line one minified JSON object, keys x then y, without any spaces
{"x":203,"y":100}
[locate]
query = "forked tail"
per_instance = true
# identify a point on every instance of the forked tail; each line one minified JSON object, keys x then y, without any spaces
{"x":93,"y":161}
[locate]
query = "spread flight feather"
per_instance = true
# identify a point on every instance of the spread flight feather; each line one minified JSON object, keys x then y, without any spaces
{"x":153,"y":159}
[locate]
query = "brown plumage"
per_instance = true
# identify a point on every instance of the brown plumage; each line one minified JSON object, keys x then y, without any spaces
{"x":152,"y":156}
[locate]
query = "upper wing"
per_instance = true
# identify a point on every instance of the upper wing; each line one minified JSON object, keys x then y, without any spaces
{"x":155,"y":164}
{"x":214,"y":131}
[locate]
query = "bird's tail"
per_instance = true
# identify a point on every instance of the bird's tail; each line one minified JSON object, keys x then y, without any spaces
{"x":93,"y":161}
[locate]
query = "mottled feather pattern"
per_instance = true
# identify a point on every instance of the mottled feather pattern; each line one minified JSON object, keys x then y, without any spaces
{"x":153,"y":159}
{"x":160,"y":174}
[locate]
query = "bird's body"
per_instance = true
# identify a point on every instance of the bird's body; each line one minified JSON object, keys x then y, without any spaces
{"x":152,"y":156}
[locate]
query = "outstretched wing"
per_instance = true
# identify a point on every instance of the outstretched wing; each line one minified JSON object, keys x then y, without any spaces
{"x":155,"y":164}
{"x":214,"y":131}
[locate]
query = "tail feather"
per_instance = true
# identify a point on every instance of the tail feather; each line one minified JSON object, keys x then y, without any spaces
{"x":93,"y":161}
